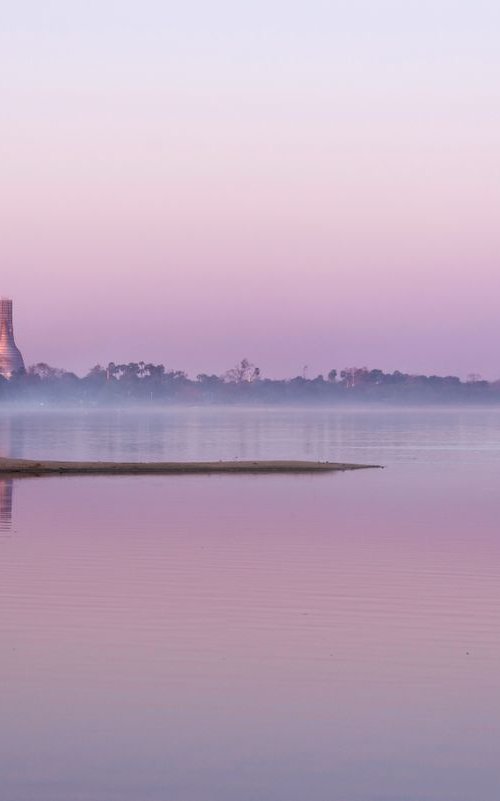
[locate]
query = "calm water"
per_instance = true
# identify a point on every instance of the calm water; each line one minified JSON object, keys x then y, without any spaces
{"x":253,"y":638}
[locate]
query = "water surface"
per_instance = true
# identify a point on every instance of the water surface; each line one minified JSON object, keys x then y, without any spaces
{"x":193,"y":638}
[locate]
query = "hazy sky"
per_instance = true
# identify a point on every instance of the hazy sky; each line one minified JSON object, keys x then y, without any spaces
{"x":296,"y":182}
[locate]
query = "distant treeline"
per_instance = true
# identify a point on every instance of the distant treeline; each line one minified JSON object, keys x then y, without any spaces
{"x":153,"y":383}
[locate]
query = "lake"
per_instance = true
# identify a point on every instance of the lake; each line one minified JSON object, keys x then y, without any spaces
{"x":326,"y":637}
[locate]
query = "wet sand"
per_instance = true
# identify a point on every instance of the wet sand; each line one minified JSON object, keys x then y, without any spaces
{"x":28,"y":467}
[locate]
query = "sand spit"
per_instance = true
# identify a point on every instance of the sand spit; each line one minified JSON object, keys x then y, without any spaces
{"x":28,"y":467}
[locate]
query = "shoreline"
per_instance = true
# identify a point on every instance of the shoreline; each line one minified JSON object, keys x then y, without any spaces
{"x":30,"y":467}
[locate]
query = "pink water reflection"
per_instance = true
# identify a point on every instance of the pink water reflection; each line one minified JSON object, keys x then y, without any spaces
{"x":262,"y":637}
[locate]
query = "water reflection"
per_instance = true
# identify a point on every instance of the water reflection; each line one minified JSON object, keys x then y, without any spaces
{"x":6,"y":493}
{"x":381,"y":436}
{"x":282,"y":637}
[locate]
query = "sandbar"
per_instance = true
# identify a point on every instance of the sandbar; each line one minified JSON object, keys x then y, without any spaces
{"x":31,"y":467}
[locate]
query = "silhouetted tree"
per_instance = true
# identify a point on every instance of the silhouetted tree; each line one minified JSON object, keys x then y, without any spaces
{"x":244,"y":372}
{"x":144,"y":381}
{"x":45,"y":371}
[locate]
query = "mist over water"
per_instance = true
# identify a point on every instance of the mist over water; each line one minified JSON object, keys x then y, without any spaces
{"x":383,"y":435}
{"x":215,"y":638}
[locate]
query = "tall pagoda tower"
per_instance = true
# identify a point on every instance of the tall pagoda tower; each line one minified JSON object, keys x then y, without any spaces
{"x":11,"y":360}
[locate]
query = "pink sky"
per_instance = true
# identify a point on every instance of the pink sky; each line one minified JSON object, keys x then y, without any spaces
{"x":319,"y":188}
